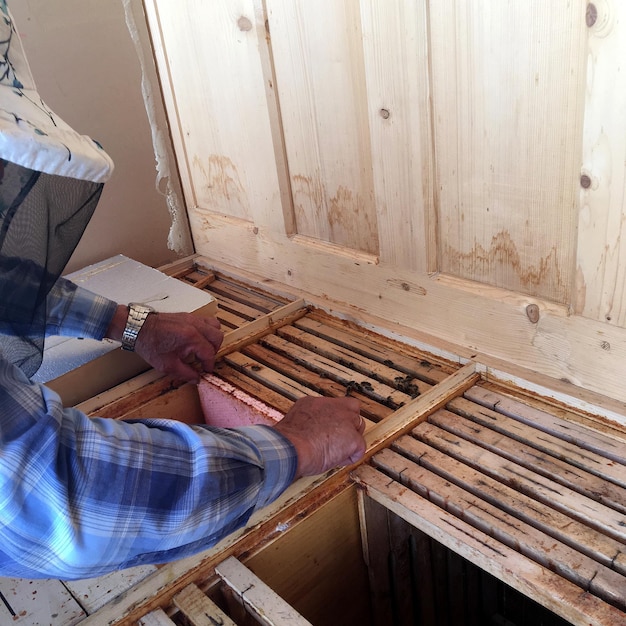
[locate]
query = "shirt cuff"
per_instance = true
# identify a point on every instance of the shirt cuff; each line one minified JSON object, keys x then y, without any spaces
{"x":74,"y":311}
{"x":280,"y":460}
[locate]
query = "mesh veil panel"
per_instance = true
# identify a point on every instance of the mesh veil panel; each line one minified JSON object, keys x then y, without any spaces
{"x":42,"y":218}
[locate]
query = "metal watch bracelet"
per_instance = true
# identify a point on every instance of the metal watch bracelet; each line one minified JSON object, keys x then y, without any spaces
{"x":137,"y":315}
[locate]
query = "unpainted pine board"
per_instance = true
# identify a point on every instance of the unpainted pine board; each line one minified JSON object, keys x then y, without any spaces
{"x":340,"y":373}
{"x":377,"y":348}
{"x":157,"y":617}
{"x":96,"y":376}
{"x":556,"y":465}
{"x":566,"y":500}
{"x":534,"y":581}
{"x":600,"y":276}
{"x":203,"y":281}
{"x":568,"y":430}
{"x":577,"y":453}
{"x":317,"y":566}
{"x":506,"y":142}
{"x":92,"y":593}
{"x":220,"y":127}
{"x":43,"y":602}
{"x":529,"y":541}
{"x":248,"y":333}
{"x":579,"y":535}
{"x":358,"y":362}
{"x":321,"y":384}
{"x":397,"y":72}
{"x":561,"y":348}
{"x":199,"y":609}
{"x":320,"y":80}
{"x":181,"y":267}
{"x":257,"y":597}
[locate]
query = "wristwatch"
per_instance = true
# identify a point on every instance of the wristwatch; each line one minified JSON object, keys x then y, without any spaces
{"x":137,"y":315}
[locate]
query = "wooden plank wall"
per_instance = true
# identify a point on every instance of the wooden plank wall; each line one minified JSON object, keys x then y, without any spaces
{"x":453,"y":168}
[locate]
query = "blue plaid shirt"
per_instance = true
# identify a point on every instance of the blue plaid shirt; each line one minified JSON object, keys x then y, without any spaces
{"x":83,"y":496}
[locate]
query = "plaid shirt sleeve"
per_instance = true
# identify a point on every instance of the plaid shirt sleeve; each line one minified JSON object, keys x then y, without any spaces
{"x":80,"y":496}
{"x":77,"y":312}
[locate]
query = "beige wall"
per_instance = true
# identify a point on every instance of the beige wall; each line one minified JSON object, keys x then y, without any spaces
{"x":88,"y":71}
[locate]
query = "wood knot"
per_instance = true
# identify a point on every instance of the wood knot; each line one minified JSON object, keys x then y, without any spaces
{"x":532,"y":311}
{"x":244,"y":24}
{"x":591,"y":15}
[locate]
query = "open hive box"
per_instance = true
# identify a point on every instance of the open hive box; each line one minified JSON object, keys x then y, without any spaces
{"x":384,"y":208}
{"x":478,"y":503}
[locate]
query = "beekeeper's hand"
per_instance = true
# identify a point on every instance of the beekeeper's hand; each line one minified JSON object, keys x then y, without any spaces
{"x":326,"y":432}
{"x":179,"y":344}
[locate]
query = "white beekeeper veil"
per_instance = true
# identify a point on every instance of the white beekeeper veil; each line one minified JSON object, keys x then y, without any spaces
{"x":51,"y":178}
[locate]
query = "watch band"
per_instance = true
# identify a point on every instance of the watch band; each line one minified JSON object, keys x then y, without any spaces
{"x":137,"y":315}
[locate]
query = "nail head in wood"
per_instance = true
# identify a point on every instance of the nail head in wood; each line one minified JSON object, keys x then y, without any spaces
{"x":585,"y":181}
{"x":384,"y":113}
{"x":532,"y":311}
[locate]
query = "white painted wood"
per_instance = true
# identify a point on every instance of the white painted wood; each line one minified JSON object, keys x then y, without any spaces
{"x":507,"y":81}
{"x":259,"y":599}
{"x":155,"y":618}
{"x":32,"y":602}
{"x":601,"y":263}
{"x":92,"y":593}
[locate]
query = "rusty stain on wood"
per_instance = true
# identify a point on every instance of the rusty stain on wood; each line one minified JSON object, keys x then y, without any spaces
{"x":317,"y":210}
{"x":501,"y":260}
{"x":222,"y":183}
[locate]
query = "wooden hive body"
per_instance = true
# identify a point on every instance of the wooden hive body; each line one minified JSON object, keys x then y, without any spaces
{"x":419,"y":204}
